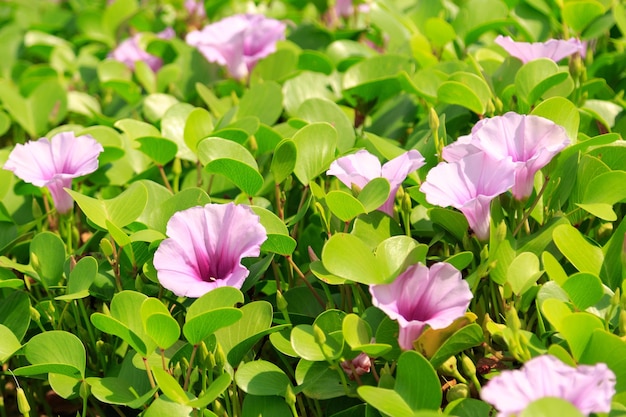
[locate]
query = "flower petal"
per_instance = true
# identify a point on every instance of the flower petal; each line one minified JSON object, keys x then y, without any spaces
{"x":205,"y":246}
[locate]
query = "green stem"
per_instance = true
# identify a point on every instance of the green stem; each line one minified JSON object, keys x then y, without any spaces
{"x":191,"y":360}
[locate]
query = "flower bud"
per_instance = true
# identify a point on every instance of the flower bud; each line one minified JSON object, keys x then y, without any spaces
{"x":449,"y":368}
{"x":35,"y":315}
{"x":177,"y":167}
{"x":469,"y":369}
{"x":457,"y":392}
{"x":106,"y":247}
{"x":281,"y":302}
{"x":433,"y":119}
{"x":22,"y":402}
{"x":320,"y":337}
{"x":290,"y":396}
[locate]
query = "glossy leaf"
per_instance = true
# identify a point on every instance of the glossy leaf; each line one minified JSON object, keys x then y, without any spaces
{"x":315,"y":145}
{"x":262,"y":378}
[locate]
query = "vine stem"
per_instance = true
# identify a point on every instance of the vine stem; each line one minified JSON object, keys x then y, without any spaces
{"x":532,"y":207}
{"x":191,"y":360}
{"x":306,"y":282}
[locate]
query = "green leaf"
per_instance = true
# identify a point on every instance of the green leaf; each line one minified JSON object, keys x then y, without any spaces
{"x":536,"y":77}
{"x":318,"y":381}
{"x":284,"y":160}
{"x":584,"y":289}
{"x":278,"y":239}
{"x":582,"y":254}
{"x":579,"y":14}
{"x":562,"y":112}
{"x":344,"y":205}
{"x":54,"y":351}
{"x":120,"y":211}
{"x":163,"y":407}
{"x":173,"y":128}
{"x":198,"y":126}
{"x":199,"y":327}
{"x":9,"y":344}
{"x":169,"y":386}
{"x":159,"y":323}
{"x":47,"y":256}
{"x":467,"y":90}
{"x":160,"y":150}
{"x":15,"y":313}
{"x":187,"y":198}
{"x":417,"y":388}
{"x":577,"y":329}
{"x":450,"y":220}
{"x":217,"y":387}
{"x":374,"y":194}
{"x":222,"y":156}
{"x":349,"y":257}
{"x":465,"y":338}
{"x":610,"y":349}
{"x":262,"y":378}
{"x":264,"y":101}
{"x":316,"y":110}
{"x":549,"y":407}
{"x":238,"y":338}
{"x":81,"y":277}
{"x":265,"y":406}
{"x":315,"y":145}
{"x":523,"y":272}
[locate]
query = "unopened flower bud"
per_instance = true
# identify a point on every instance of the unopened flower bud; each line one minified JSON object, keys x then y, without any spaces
{"x":177,"y":167}
{"x":512,"y":320}
{"x":458,"y":391}
{"x":433,"y":119}
{"x":449,"y":368}
{"x":281,"y":302}
{"x":106,"y":247}
{"x":290,"y":396}
{"x":320,"y":337}
{"x":469,"y":369}
{"x":22,"y":402}
{"x":35,"y":315}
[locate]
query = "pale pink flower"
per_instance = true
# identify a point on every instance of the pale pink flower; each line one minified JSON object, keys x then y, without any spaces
{"x":238,"y":42}
{"x":130,"y":51}
{"x":205,"y":246}
{"x":344,"y":8}
{"x":530,"y":141}
{"x":361,"y":364}
{"x":53,"y":163}
{"x":469,"y":185}
{"x":362,"y":167}
{"x":421,"y":297}
{"x":195,"y":8}
{"x":554,"y":49}
{"x":589,"y":388}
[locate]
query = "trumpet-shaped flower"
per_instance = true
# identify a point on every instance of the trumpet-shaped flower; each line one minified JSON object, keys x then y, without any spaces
{"x":554,"y":49}
{"x":362,"y":167}
{"x":130,"y":51}
{"x":205,"y":246}
{"x":469,"y":185}
{"x":422,"y":296}
{"x":53,"y":163}
{"x":530,"y":141}
{"x":588,"y":388}
{"x":238,"y":42}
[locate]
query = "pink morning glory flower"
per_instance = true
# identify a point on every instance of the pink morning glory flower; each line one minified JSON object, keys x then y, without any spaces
{"x":362,"y":167}
{"x":469,"y":185}
{"x":588,"y":388}
{"x":53,"y":163}
{"x":554,"y":49}
{"x":530,"y":141}
{"x":422,"y":296}
{"x":130,"y":51}
{"x":205,"y":246}
{"x":238,"y":42}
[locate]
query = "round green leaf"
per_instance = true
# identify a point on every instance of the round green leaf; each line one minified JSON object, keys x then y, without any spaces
{"x":200,"y":327}
{"x":121,"y":210}
{"x":580,"y":13}
{"x":198,"y":126}
{"x":264,"y":101}
{"x":262,"y":378}
{"x":284,"y":160}
{"x":47,"y":256}
{"x":160,"y":150}
{"x":315,"y":145}
{"x":54,"y":351}
{"x":349,"y":257}
{"x":344,"y":205}
{"x":9,"y":344}
{"x":584,"y":289}
{"x":222,"y":156}
{"x":549,"y":407}
{"x":159,"y":323}
{"x":316,"y":110}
